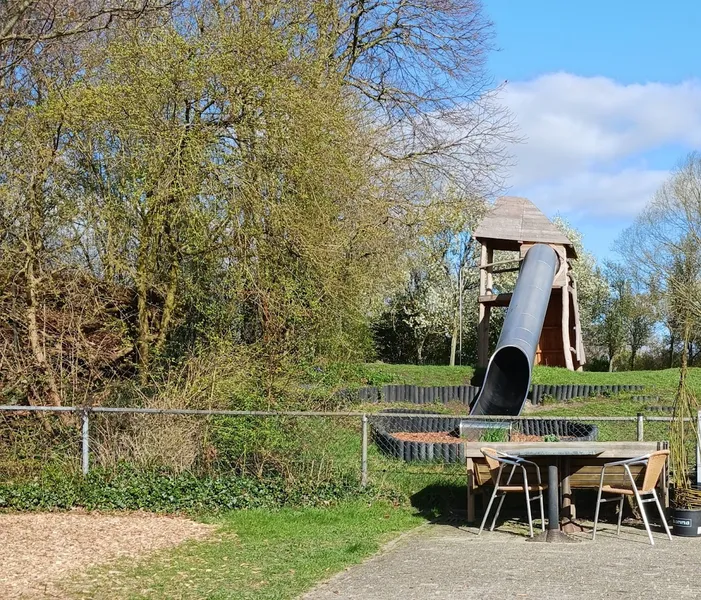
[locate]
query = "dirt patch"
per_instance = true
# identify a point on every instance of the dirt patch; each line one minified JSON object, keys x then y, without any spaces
{"x":437,"y":436}
{"x":38,"y":550}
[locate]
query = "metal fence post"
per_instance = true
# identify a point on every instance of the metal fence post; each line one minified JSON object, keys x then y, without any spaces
{"x":640,"y":427}
{"x":364,"y":452}
{"x":698,"y":448}
{"x":86,"y":440}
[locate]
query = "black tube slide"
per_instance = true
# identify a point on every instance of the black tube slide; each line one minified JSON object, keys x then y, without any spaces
{"x":508,"y":375}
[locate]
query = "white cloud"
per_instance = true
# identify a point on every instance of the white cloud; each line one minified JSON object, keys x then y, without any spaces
{"x":586,"y":140}
{"x":591,"y":193}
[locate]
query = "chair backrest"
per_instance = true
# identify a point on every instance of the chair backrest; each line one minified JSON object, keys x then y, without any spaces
{"x":490,"y":455}
{"x":655,"y":464}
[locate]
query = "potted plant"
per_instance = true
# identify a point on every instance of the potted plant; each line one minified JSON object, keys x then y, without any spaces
{"x":685,"y":510}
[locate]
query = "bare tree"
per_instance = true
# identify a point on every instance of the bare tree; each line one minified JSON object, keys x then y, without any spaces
{"x":420,"y":66}
{"x":28,"y":27}
{"x":663,"y":247}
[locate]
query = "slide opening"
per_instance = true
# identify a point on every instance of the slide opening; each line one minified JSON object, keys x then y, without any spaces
{"x":506,"y":383}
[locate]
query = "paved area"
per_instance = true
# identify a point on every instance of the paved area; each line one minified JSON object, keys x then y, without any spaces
{"x":447,"y":562}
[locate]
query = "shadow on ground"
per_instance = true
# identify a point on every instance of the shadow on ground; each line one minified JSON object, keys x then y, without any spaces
{"x":441,"y":502}
{"x":446,"y":503}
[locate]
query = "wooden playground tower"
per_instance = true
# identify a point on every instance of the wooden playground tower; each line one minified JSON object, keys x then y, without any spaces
{"x":515,"y":224}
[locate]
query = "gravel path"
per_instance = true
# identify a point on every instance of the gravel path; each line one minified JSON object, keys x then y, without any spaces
{"x":444,"y":562}
{"x":37,"y":550}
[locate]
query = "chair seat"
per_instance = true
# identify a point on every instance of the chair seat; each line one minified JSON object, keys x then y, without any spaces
{"x":520,"y":488}
{"x":654,"y":464}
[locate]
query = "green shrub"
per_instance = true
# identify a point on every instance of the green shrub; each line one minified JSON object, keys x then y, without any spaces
{"x":127,"y":488}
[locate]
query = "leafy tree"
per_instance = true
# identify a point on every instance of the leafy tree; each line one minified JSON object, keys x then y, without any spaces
{"x":206,"y":175}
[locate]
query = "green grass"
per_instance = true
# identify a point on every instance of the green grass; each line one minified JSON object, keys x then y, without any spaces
{"x":614,"y":406}
{"x":421,"y":374}
{"x":255,"y":554}
{"x":663,"y":382}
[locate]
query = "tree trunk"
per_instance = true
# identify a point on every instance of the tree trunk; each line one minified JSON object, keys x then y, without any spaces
{"x":168,"y":307}
{"x":144,"y":334}
{"x":671,"y":350}
{"x":633,"y":352}
{"x":47,"y":393}
{"x":454,"y":342}
{"x":611,"y":363}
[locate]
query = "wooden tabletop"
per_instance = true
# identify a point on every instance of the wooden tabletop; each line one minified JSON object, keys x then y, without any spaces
{"x":597,"y":449}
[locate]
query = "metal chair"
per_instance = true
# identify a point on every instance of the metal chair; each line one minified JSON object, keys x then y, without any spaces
{"x":496,"y":461}
{"x":654,"y":463}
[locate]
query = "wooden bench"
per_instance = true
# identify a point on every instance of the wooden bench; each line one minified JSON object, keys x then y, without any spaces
{"x":577,"y":472}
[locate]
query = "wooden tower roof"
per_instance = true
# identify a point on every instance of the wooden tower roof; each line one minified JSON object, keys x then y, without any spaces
{"x":513,"y":221}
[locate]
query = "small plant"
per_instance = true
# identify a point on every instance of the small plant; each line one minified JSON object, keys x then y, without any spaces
{"x":551,"y":438}
{"x":494,"y":435}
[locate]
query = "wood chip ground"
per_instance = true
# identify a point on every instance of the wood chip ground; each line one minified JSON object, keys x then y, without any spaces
{"x":38,"y":550}
{"x":436,"y":436}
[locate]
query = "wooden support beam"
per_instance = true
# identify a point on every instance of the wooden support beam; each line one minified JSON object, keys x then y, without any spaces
{"x":496,"y":299}
{"x":484,"y":312}
{"x":483,"y":273}
{"x":566,"y":328}
{"x":511,"y":270}
{"x":490,"y":277}
{"x":579,"y":342}
{"x":502,"y":262}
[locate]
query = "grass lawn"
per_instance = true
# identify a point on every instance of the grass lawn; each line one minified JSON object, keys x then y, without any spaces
{"x":662,"y":382}
{"x":261,"y":555}
{"x":421,"y":374}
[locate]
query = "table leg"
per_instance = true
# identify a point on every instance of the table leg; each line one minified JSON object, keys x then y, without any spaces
{"x":553,"y":500}
{"x":569,"y":510}
{"x":553,"y":533}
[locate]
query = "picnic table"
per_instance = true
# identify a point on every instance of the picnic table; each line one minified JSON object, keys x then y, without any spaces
{"x":570,"y":465}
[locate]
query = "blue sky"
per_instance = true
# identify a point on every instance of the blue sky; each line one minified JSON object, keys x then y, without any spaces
{"x":607,"y":99}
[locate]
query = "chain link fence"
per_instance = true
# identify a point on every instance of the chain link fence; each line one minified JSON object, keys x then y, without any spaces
{"x":396,"y":446}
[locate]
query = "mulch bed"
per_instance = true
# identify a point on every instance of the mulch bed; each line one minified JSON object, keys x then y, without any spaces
{"x":442,"y":437}
{"x":517,"y":436}
{"x":446,"y":437}
{"x":40,"y":549}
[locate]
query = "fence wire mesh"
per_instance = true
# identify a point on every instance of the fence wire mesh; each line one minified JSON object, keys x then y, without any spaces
{"x":312,"y":448}
{"x":401,"y":444}
{"x":29,"y":441}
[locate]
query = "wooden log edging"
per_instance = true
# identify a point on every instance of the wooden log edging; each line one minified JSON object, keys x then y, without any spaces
{"x":466,"y":394}
{"x":384,"y":425}
{"x":562,"y":393}
{"x":564,"y":429}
